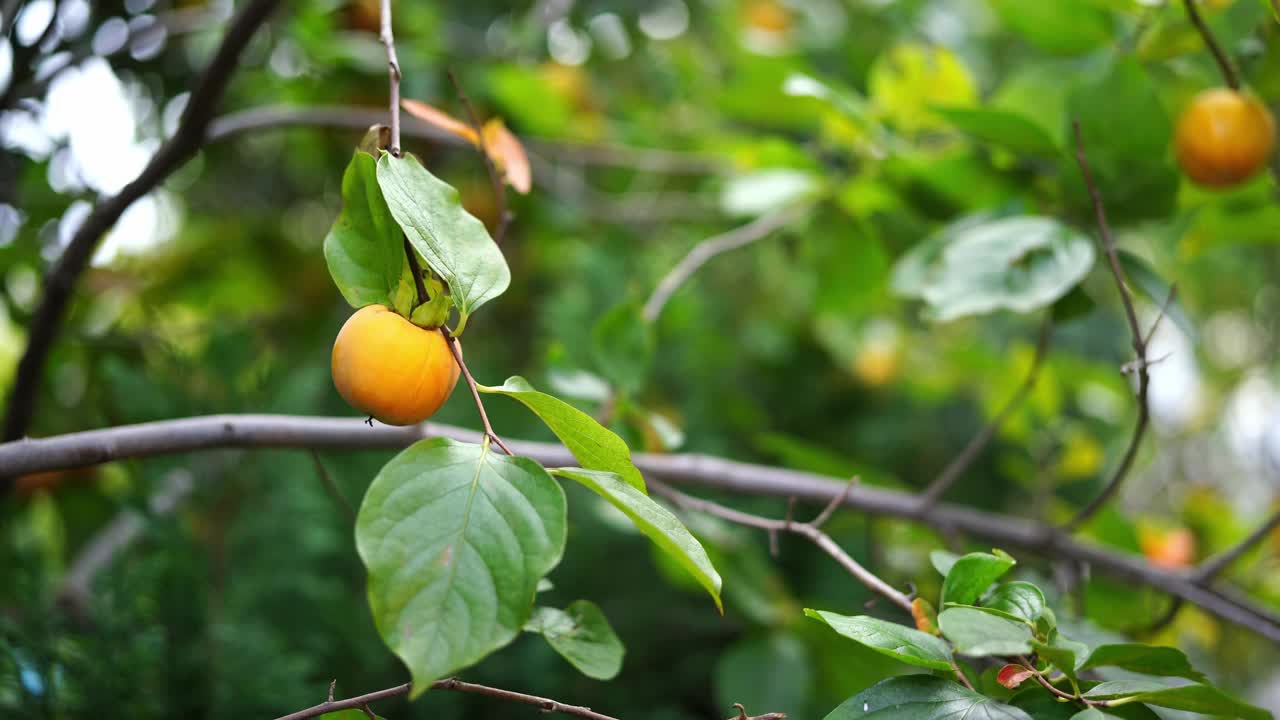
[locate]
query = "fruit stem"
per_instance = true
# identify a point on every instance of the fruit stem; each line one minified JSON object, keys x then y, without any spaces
{"x":452,"y":342}
{"x":415,"y":269}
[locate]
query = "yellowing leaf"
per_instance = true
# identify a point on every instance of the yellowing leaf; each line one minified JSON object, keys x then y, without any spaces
{"x":508,"y":154}
{"x":439,"y":118}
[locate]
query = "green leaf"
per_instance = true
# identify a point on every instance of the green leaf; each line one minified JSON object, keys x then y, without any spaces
{"x":455,"y":539}
{"x":1204,"y":699}
{"x":923,"y":697}
{"x":1156,"y":290}
{"x":623,"y":344}
{"x":1019,"y":600}
{"x":907,"y":81}
{"x":1127,"y":136}
{"x":1065,"y":654}
{"x":899,"y":642}
{"x":454,"y":244}
{"x":972,"y":574}
{"x":978,"y":634}
{"x":363,"y":249}
{"x":655,"y":522}
{"x":582,"y":635}
{"x":1003,"y":128}
{"x":1067,"y":27}
{"x":595,"y":446}
{"x":943,"y":561}
{"x":1145,"y":659}
{"x":979,"y":266}
{"x":1093,"y":714}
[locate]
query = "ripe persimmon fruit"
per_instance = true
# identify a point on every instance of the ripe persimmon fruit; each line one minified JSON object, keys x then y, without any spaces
{"x":390,"y":368}
{"x":1224,"y":137}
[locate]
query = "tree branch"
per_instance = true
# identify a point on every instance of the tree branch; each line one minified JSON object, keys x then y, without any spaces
{"x":393,"y":75}
{"x":961,"y":463}
{"x":811,"y":531}
{"x":707,"y":249}
{"x":284,"y":431}
{"x":61,"y":280}
{"x":1219,"y":56}
{"x":545,"y":704}
{"x":1139,"y":343}
{"x":1212,"y":567}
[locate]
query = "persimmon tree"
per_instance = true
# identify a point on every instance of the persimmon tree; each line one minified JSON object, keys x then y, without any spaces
{"x":462,"y":533}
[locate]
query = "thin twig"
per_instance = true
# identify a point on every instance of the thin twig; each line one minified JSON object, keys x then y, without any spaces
{"x":1212,"y":567}
{"x":415,"y":269}
{"x":475,"y":392}
{"x":331,"y":487}
{"x":1161,"y":622}
{"x":707,"y":249}
{"x":1219,"y":56}
{"x":362,"y":702}
{"x":393,"y":74}
{"x":1044,"y":681}
{"x":185,"y":435}
{"x":173,"y":154}
{"x":1139,"y":343}
{"x":742,"y":714}
{"x":1164,"y":310}
{"x":809,"y":531}
{"x":495,"y":179}
{"x":979,"y":442}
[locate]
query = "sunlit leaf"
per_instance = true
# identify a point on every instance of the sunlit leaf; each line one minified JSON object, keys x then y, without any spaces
{"x":454,"y":244}
{"x":972,"y":574}
{"x":979,"y":634}
{"x":655,"y":522}
{"x":595,"y":446}
{"x":899,"y":642}
{"x":508,"y":154}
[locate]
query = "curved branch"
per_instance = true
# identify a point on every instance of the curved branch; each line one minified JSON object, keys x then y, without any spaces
{"x":362,"y":701}
{"x":1139,"y":343}
{"x":284,"y":431}
{"x":1212,"y":567}
{"x":704,"y":251}
{"x":61,"y":280}
{"x":961,"y":463}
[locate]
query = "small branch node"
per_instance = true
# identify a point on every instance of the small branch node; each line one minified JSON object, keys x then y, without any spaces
{"x":332,"y":684}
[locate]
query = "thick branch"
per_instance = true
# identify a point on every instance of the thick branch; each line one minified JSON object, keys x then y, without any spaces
{"x":283,"y":431}
{"x":704,"y":251}
{"x":961,"y":463}
{"x":1219,"y":56}
{"x":811,"y":531}
{"x":1139,"y":344}
{"x":61,"y":280}
{"x":545,"y":704}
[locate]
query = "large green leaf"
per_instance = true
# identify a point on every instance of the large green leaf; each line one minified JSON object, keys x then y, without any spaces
{"x":455,"y":539}
{"x":595,"y":446}
{"x":1145,"y":659}
{"x":1002,"y":128}
{"x":1204,"y":699}
{"x":1127,"y":136}
{"x":978,"y":634}
{"x":972,"y":574}
{"x":1068,"y":27}
{"x":978,"y":266}
{"x":1041,"y":705}
{"x":897,"y":641}
{"x":582,"y":635}
{"x":923,"y":697}
{"x":364,"y":249}
{"x":656,"y":522}
{"x":455,"y":244}
{"x":1019,"y":600}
